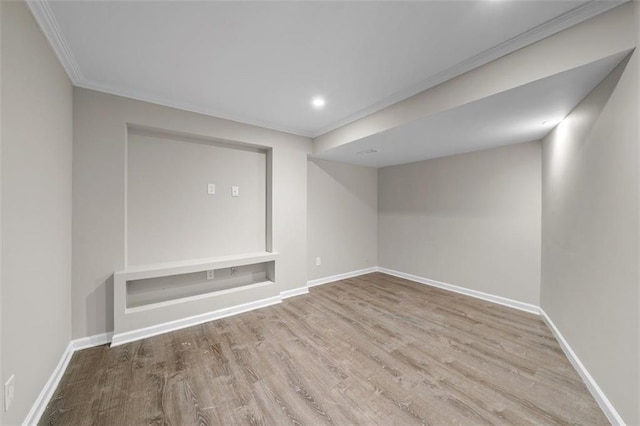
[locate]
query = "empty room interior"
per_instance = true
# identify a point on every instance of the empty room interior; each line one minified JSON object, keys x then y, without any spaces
{"x":350,"y":212}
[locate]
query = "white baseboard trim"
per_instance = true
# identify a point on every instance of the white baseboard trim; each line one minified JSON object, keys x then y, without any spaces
{"x":589,"y":381}
{"x":154,"y":330}
{"x":333,"y":278}
{"x":38,"y":407}
{"x":91,"y":341}
{"x":294,"y":292}
{"x":593,"y":387}
{"x":100,"y":339}
{"x":467,"y":292}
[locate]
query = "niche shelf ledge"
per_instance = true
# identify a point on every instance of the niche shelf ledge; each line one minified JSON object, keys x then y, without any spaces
{"x":156,"y":270}
{"x":163,"y":298}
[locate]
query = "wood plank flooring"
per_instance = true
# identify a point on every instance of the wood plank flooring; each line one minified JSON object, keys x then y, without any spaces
{"x":369,"y":350}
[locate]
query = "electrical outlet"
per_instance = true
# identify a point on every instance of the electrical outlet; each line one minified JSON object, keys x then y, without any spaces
{"x":318,"y":261}
{"x":235,"y":191}
{"x":211,"y":188}
{"x":211,"y":275}
{"x":9,"y":392}
{"x":234,"y":271}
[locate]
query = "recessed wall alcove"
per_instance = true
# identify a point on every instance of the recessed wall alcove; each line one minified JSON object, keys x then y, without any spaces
{"x":170,"y":214}
{"x":197,"y":229}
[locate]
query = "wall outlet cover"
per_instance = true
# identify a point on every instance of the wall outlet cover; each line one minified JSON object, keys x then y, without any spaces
{"x":235,"y":191}
{"x":318,"y":261}
{"x":211,"y":275}
{"x":211,"y":188}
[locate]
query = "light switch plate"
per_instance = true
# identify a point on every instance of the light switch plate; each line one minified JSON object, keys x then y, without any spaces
{"x":235,"y":191}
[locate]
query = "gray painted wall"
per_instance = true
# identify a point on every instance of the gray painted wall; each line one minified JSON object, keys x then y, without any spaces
{"x":99,"y":150}
{"x":343,"y":218}
{"x":171,"y":217}
{"x":36,"y":208}
{"x":471,"y":220}
{"x":590,"y":235}
{"x":637,"y":16}
{"x":601,"y":323}
{"x":1,"y":375}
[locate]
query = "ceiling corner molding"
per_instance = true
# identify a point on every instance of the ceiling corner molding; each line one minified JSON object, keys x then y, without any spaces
{"x":549,"y":28}
{"x":41,"y":11}
{"x":46,"y":20}
{"x":159,"y":100}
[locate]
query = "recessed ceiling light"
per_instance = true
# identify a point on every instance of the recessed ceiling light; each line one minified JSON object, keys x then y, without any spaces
{"x":367,"y":151}
{"x":318,"y":102}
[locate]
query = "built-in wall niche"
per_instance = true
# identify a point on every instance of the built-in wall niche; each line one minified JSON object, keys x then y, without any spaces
{"x":172,"y":214}
{"x":198,"y":232}
{"x":155,"y":292}
{"x":151,"y":299}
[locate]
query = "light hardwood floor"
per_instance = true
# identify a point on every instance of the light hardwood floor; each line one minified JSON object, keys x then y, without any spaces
{"x":369,"y":350}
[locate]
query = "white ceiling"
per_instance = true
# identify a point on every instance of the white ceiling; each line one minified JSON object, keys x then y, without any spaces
{"x":509,"y":117}
{"x":262,"y":62}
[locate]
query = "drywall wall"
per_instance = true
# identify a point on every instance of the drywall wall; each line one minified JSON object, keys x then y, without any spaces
{"x":590,"y":235}
{"x":342,"y":218}
{"x":99,"y":182}
{"x":1,"y":375}
{"x":637,"y":14}
{"x":471,"y":220}
{"x":36,"y":208}
{"x":604,"y":35}
{"x":171,"y":216}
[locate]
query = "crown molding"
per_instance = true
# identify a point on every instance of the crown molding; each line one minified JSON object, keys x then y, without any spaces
{"x":43,"y":15}
{"x":185,"y":106}
{"x":47,"y":22}
{"x":549,"y":28}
